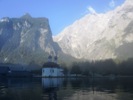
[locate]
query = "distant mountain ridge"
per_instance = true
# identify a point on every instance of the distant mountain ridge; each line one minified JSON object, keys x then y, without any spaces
{"x":100,"y":36}
{"x":26,"y":40}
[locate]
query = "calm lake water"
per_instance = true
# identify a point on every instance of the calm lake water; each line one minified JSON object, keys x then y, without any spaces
{"x":66,"y":89}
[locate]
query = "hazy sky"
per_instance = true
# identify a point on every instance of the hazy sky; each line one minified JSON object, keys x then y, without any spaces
{"x":60,"y":13}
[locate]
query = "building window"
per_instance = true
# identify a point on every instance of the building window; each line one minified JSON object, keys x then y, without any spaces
{"x":43,"y":71}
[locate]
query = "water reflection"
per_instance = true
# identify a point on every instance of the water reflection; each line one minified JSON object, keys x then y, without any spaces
{"x":20,"y":89}
{"x":51,"y":86}
{"x":66,"y":89}
{"x":52,"y":82}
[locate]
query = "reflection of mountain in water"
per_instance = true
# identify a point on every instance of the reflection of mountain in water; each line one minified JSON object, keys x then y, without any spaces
{"x":66,"y":89}
{"x":20,"y":89}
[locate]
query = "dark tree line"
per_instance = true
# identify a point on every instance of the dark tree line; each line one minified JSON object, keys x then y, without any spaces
{"x":103,"y":67}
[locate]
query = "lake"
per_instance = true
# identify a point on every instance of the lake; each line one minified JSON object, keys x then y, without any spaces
{"x":66,"y":89}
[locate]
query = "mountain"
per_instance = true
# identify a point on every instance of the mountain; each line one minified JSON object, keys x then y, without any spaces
{"x":100,"y":36}
{"x":26,"y":40}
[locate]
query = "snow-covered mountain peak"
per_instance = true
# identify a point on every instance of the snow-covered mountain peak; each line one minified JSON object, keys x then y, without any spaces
{"x":99,"y":36}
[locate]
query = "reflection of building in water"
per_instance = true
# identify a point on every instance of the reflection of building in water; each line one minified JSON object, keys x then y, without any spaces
{"x":52,"y":82}
{"x":51,"y":86}
{"x":52,"y":69}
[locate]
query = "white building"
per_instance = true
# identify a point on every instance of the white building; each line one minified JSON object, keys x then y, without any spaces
{"x":52,"y":69}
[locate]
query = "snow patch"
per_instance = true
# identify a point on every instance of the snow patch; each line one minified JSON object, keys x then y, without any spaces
{"x":129,"y":38}
{"x":42,"y":30}
{"x":26,"y":24}
{"x":1,"y":31}
{"x":5,"y":59}
{"x":4,"y":20}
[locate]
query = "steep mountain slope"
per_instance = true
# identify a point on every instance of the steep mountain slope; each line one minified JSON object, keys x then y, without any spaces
{"x":26,"y":40}
{"x":100,"y":36}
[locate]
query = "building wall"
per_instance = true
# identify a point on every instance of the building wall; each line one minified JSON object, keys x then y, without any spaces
{"x":52,"y":72}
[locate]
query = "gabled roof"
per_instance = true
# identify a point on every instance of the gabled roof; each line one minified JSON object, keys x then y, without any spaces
{"x":51,"y":65}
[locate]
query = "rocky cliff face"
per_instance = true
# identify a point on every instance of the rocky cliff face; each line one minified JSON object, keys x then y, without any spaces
{"x":26,"y":40}
{"x":100,"y":36}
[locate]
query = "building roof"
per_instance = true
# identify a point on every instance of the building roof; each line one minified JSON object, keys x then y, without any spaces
{"x":51,"y":65}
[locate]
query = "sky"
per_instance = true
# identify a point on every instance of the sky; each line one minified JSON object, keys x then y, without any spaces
{"x":60,"y":13}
